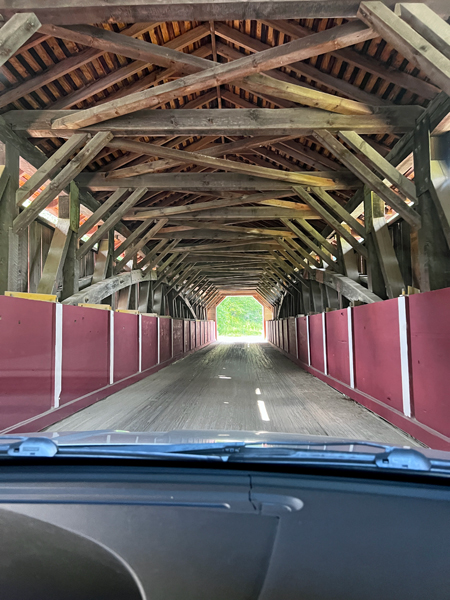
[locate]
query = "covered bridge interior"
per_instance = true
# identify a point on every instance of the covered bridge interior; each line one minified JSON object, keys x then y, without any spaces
{"x":158,"y":157}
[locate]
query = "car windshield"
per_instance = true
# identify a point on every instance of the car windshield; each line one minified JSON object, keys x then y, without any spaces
{"x":266,"y":268}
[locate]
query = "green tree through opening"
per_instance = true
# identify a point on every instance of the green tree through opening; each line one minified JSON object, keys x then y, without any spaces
{"x":239,"y":316}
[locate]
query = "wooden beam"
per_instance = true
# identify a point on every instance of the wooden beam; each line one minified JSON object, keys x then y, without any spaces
{"x":428,"y":24}
{"x":362,"y":61}
{"x":405,"y":187}
{"x":111,"y":221}
{"x":325,"y":256}
{"x":317,"y":236}
{"x":248,"y":214}
{"x":60,"y":181}
{"x":60,"y":69}
{"x":300,"y":68}
{"x":139,"y":244}
{"x":116,"y":43}
{"x":136,"y":235}
{"x":65,"y":12}
{"x":229,"y":165}
{"x":101,"y":211}
{"x":368,"y":177}
{"x":53,"y":268}
{"x":434,"y":236}
{"x":319,"y":43}
{"x":408,"y":42}
{"x":15,"y":32}
{"x":218,"y":150}
{"x":153,"y":213}
{"x":341,"y":211}
{"x":94,"y":294}
{"x":37,"y":158}
{"x":209,"y":182}
{"x":334,"y":223}
{"x":245,"y":122}
{"x":56,"y":161}
{"x":352,"y":290}
{"x":150,"y":262}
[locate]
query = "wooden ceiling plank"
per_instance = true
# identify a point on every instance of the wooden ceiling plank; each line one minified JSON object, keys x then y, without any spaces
{"x":320,"y":43}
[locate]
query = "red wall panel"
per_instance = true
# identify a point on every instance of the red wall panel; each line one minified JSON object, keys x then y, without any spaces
{"x":280,"y":334}
{"x":126,"y":357}
{"x":377,"y":352}
{"x":430,"y":353}
{"x":198,"y":334}
{"x":85,"y":351}
{"x":165,"y":340}
{"x":149,"y":342}
{"x":316,"y":341}
{"x":186,"y":336}
{"x":337,"y":345}
{"x":177,"y":325}
{"x":292,"y":336}
{"x":302,"y":337}
{"x":26,"y":358}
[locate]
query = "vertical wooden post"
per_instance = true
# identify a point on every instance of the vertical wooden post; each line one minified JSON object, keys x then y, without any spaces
{"x":387,"y":259}
{"x":375,"y":275}
{"x":71,"y":269}
{"x":434,"y":253}
{"x":13,"y":247}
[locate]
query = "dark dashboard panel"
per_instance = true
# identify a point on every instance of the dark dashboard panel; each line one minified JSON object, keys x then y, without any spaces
{"x":198,"y":534}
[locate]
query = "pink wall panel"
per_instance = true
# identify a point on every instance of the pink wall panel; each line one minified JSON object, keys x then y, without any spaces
{"x":26,"y":358}
{"x":337,"y":345}
{"x":177,"y":337}
{"x":377,"y":352}
{"x":149,"y":342}
{"x":198,"y":334}
{"x":186,"y":336}
{"x":292,"y":336}
{"x":302,"y":337}
{"x":126,"y":357}
{"x":430,"y":355}
{"x":85,"y":351}
{"x":280,"y":334}
{"x":165,"y":340}
{"x":192,"y":326}
{"x":316,"y":341}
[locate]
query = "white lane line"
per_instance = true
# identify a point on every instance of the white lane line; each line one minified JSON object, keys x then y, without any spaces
{"x":258,"y":392}
{"x":263,"y":410}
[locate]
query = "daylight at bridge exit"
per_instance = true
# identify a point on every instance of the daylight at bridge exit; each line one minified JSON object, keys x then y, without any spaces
{"x":226,"y":216}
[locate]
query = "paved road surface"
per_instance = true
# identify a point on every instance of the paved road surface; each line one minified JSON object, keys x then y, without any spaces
{"x":222,"y":387}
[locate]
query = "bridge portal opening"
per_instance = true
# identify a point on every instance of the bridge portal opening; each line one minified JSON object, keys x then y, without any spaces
{"x":240,"y":317}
